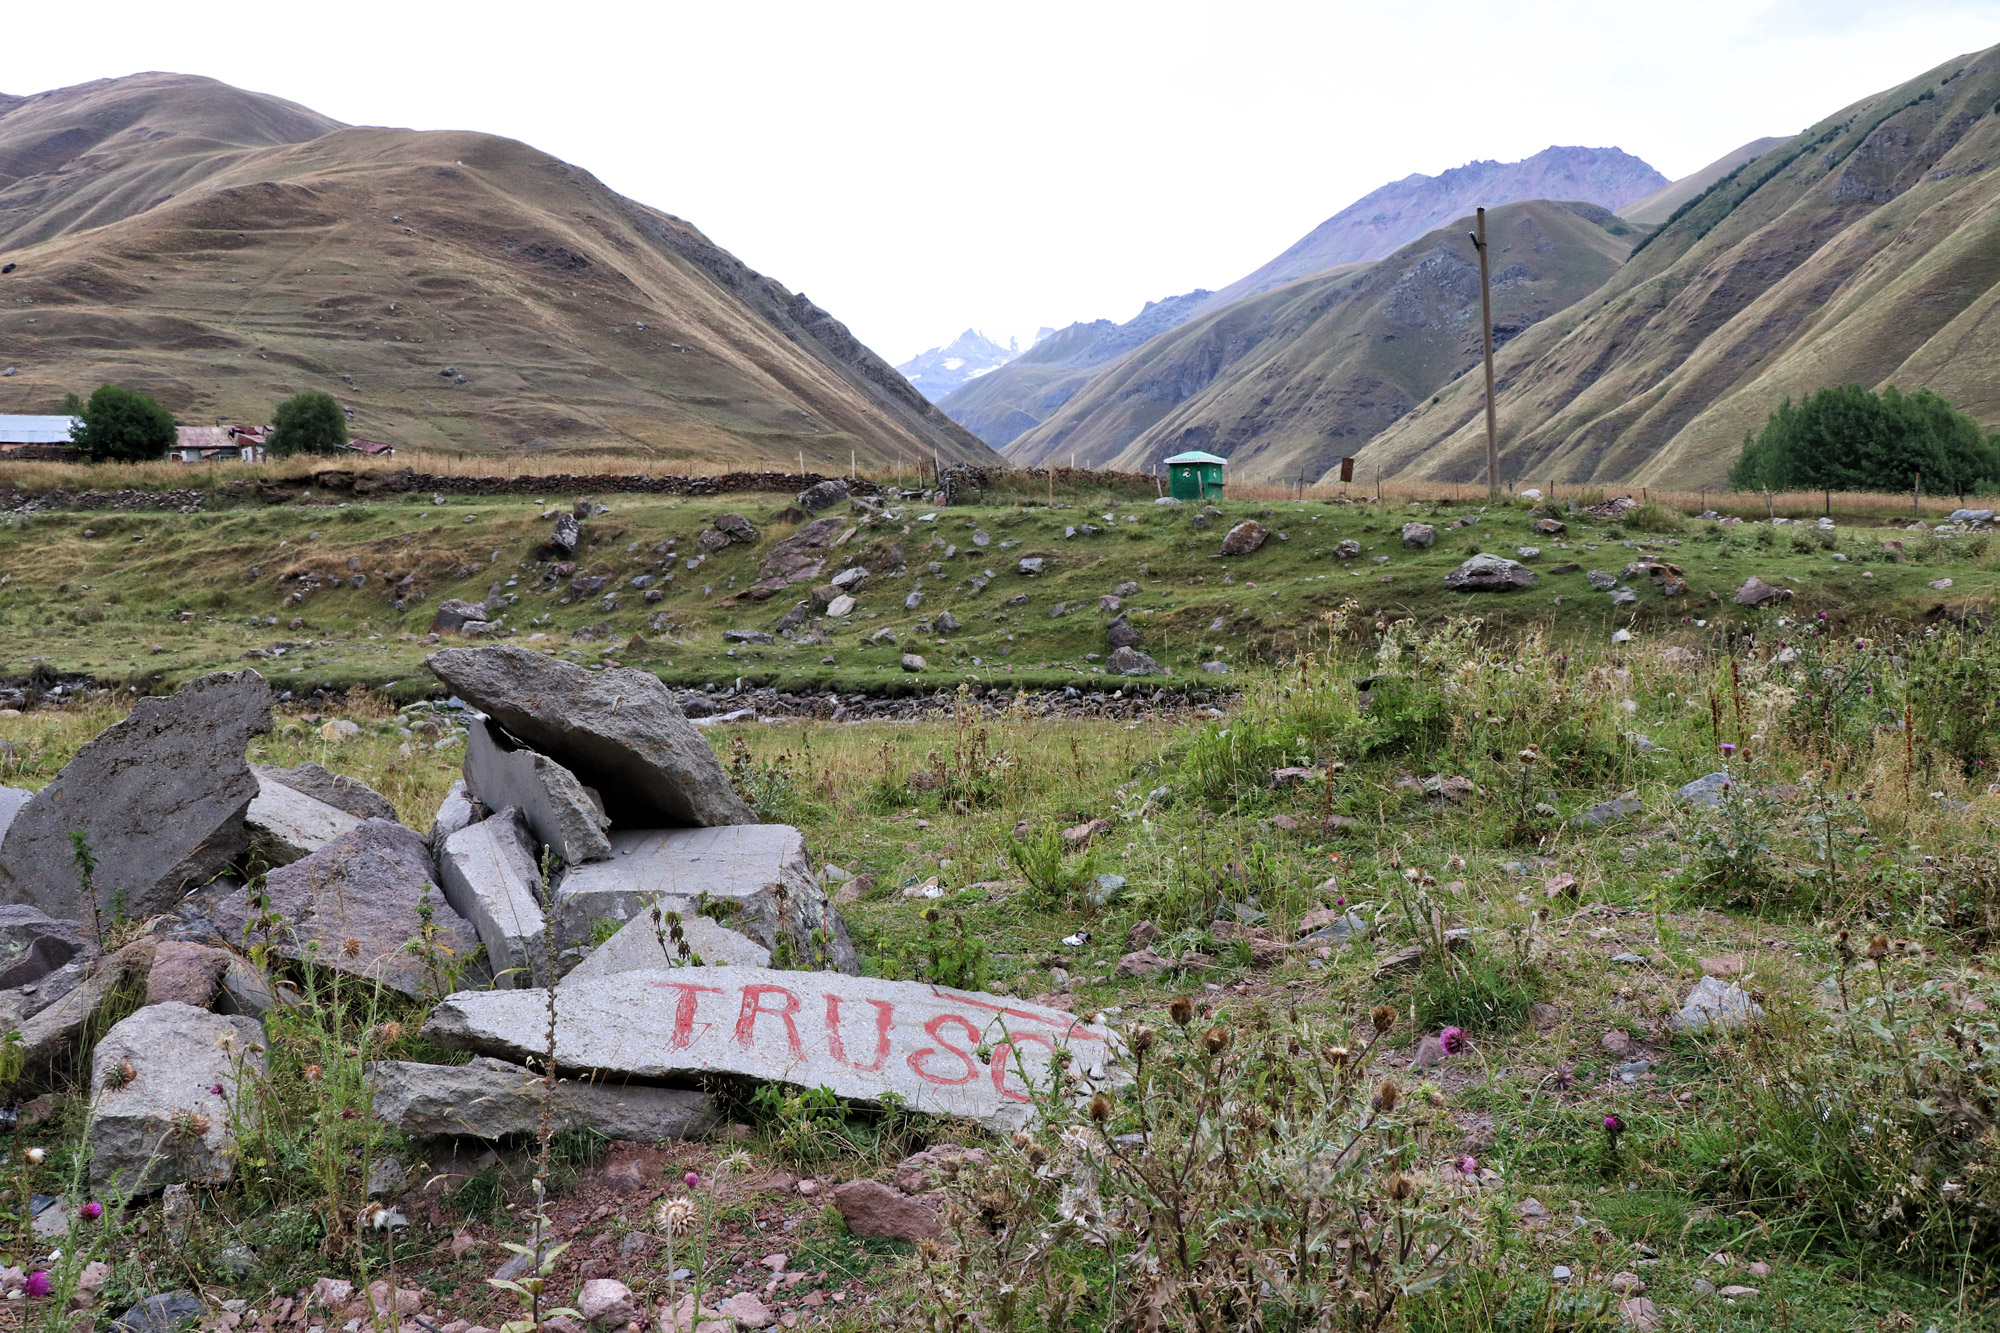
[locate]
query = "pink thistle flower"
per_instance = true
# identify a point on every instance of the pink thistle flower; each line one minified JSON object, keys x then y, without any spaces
{"x":1453,"y":1040}
{"x":93,"y":1210}
{"x":1468,"y":1167}
{"x":692,"y":1178}
{"x":39,"y":1284}
{"x":1728,"y":748}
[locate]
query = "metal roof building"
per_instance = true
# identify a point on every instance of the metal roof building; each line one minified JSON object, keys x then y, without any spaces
{"x":36,"y":430}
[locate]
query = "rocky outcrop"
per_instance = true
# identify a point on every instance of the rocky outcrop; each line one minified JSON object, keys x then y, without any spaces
{"x":159,"y":797}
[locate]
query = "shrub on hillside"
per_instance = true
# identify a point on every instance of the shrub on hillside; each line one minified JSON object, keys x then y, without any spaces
{"x":121,"y":426}
{"x":1849,"y":438}
{"x":307,"y":423}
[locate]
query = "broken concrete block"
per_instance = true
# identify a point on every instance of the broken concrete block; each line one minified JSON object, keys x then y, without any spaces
{"x":560,"y":810}
{"x":490,"y":878}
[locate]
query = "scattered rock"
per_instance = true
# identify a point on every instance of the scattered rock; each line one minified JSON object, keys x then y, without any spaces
{"x":338,"y":790}
{"x":1550,"y":527}
{"x":1131,"y":662}
{"x":1244,"y":538}
{"x":1618,"y":807}
{"x":746,"y":1310}
{"x":165,"y":1313}
{"x":1419,"y":535}
{"x":1639,"y":1314}
{"x":353,"y":905}
{"x":913,"y":662}
{"x":934,"y":1166}
{"x":1706,"y":790}
{"x":456,"y":811}
{"x":185,"y":973}
{"x":860,"y":1037}
{"x":1713,"y":1006}
{"x":617,"y":730}
{"x":873,"y":1209}
{"x":155,"y":1118}
{"x":564,"y":813}
{"x":1489,"y":573}
{"x":821,"y":495}
{"x":564,"y":536}
{"x":1756,"y":592}
{"x":453,"y":615}
{"x":608,"y":1303}
{"x":492,"y":1099}
{"x":1617,"y":1042}
{"x":758,"y":875}
{"x":286,"y":824}
{"x":160,"y":796}
{"x":489,"y":876}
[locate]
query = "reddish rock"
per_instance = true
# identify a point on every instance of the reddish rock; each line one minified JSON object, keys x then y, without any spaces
{"x":935,"y":1165}
{"x":871,"y":1208}
{"x":1084,"y":834}
{"x":183,"y":972}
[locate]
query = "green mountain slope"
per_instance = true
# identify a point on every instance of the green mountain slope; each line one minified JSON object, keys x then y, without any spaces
{"x":1658,"y":206}
{"x":221,"y":250}
{"x":1864,"y":250}
{"x":1289,"y":381}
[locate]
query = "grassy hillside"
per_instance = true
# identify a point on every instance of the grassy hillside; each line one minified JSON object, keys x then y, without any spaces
{"x":1287,"y":382}
{"x":1660,"y":205}
{"x":153,"y":598}
{"x":221,"y":250}
{"x":1864,"y":250}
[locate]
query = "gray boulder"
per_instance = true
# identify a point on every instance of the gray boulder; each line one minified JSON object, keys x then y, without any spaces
{"x":1971,"y":516}
{"x":11,"y":801}
{"x":338,"y":790}
{"x":736,"y":527}
{"x":490,"y":878}
{"x":456,"y":811}
{"x":637,"y":946}
{"x":155,"y":1119}
{"x":1626,"y":803}
{"x":354,"y":905}
{"x":1600,"y":580}
{"x":1131,"y":662}
{"x":166,"y":1312}
{"x":798,"y":557}
{"x":32,"y":945}
{"x":286,"y":824}
{"x":453,"y":615}
{"x":59,"y":1026}
{"x":1756,"y":592}
{"x":821,"y":495}
{"x":563,"y":538}
{"x":757,"y":875}
{"x":1715,"y":1006}
{"x":1489,"y":573}
{"x":1419,"y":534}
{"x":1244,"y":538}
{"x":160,"y":796}
{"x":1706,"y":790}
{"x":492,"y":1099}
{"x":564,"y":813}
{"x":1121,"y":633}
{"x":617,"y":730}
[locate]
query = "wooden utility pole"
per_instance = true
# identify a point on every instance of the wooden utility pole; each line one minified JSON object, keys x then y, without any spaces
{"x":1486,"y":327}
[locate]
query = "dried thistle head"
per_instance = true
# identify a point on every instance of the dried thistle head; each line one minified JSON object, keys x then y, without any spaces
{"x":1383,"y":1016}
{"x":1336,"y":1056}
{"x":1402,"y":1188}
{"x":676,"y":1216}
{"x":186,"y":1127}
{"x":351,"y":947}
{"x":1037,"y":1155}
{"x":1142,"y":1039}
{"x":385,"y":1034}
{"x":1181,"y":1010}
{"x":120,"y":1076}
{"x":1100,"y":1107}
{"x":1387,"y":1095}
{"x":314,"y":1073}
{"x":1216,"y":1040}
{"x":1878,"y":947}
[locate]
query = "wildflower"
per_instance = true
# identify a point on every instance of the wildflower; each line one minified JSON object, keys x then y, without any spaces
{"x":1413,"y":874}
{"x":692,"y":1179}
{"x":1181,"y":1010}
{"x":1216,"y":1039}
{"x":36,"y":1156}
{"x":1453,"y":1040}
{"x":92,"y":1211}
{"x":1468,"y":1167}
{"x":40,"y":1284}
{"x":1455,"y":863}
{"x":1383,"y":1016}
{"x":1336,"y":1055}
{"x":1565,"y":1077}
{"x":675,"y":1216}
{"x":1728,"y":748}
{"x":215,"y":1090}
{"x":1530,"y":755}
{"x":1100,"y":1107}
{"x":1037,"y":1154}
{"x":1340,"y":902}
{"x":1613,"y":1127}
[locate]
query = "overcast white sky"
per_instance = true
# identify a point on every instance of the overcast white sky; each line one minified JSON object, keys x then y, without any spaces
{"x":920,"y":167}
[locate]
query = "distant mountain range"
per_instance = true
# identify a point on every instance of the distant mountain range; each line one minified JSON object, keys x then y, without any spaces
{"x":1007,"y":404}
{"x":1286,"y":382}
{"x":223,"y":249}
{"x":967,"y":357}
{"x":1864,"y":250}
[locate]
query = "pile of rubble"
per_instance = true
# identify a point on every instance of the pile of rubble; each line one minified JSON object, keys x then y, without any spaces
{"x":594,"y":845}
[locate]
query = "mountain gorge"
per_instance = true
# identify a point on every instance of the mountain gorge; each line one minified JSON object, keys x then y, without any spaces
{"x":1864,"y":250}
{"x":222,"y":249}
{"x":1286,"y":382}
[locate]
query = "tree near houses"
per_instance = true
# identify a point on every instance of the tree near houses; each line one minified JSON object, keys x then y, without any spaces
{"x":121,"y":426}
{"x":307,"y":423}
{"x":1849,"y":438}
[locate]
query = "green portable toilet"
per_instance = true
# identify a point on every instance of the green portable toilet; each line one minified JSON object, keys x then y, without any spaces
{"x":1195,"y":476}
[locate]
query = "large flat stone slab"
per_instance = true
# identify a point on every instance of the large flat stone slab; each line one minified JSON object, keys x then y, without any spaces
{"x":155,"y":1119}
{"x":12,"y":799}
{"x":619,"y":731}
{"x":861,"y":1037}
{"x":492,"y":1099}
{"x":637,"y":948}
{"x":557,"y":807}
{"x":286,"y":824}
{"x":758,"y":875}
{"x":490,"y":878}
{"x":354,"y":905}
{"x":160,"y":795}
{"x":338,"y":790}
